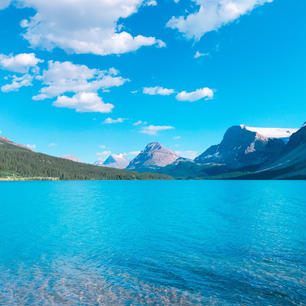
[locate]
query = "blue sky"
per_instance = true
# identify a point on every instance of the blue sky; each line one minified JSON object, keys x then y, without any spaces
{"x":97,"y":77}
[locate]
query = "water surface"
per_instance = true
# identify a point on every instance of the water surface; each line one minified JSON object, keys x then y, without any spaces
{"x":153,"y":243}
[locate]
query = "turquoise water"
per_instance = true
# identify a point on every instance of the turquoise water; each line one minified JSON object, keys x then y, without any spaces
{"x":153,"y":243}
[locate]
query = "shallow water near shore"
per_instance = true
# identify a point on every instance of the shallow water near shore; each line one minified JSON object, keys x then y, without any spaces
{"x":153,"y":243}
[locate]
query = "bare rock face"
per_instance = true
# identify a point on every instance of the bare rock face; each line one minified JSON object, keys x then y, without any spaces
{"x":244,"y":146}
{"x":114,"y":161}
{"x":292,"y":161}
{"x":153,"y":156}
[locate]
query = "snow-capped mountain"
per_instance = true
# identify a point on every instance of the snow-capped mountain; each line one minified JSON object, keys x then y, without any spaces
{"x":244,"y":146}
{"x":292,"y":161}
{"x":71,"y":157}
{"x":153,"y":156}
{"x":282,"y":133}
{"x":118,"y":161}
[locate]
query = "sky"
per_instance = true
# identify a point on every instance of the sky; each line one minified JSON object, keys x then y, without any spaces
{"x":94,"y":77}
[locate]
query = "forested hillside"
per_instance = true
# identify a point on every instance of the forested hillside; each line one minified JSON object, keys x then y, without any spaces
{"x":20,"y":162}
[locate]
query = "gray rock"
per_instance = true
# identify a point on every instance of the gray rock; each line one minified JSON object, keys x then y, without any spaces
{"x":153,"y":156}
{"x":242,"y":146}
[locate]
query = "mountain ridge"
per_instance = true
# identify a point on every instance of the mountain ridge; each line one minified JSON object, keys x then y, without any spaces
{"x":153,"y":156}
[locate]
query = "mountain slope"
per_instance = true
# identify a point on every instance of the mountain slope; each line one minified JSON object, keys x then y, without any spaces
{"x":291,"y":163}
{"x":244,"y":146}
{"x":16,"y":160}
{"x":153,"y":156}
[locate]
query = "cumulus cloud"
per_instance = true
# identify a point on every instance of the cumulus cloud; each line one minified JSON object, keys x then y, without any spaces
{"x":84,"y":102}
{"x":154,"y":129}
{"x":196,"y":95}
{"x":19,"y":63}
{"x":111,"y":120}
{"x":61,"y":77}
{"x":188,"y":154}
{"x":73,"y":86}
{"x":157,"y":90}
{"x":84,"y":26}
{"x":18,"y":82}
{"x":212,"y":15}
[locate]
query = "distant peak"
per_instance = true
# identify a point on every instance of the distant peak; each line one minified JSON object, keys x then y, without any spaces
{"x":154,"y":146}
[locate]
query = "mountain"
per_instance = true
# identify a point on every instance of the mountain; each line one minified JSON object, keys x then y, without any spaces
{"x":244,"y":146}
{"x":153,"y":156}
{"x":19,"y":161}
{"x":290,"y":164}
{"x":72,"y":157}
{"x":5,"y":140}
{"x":118,"y":161}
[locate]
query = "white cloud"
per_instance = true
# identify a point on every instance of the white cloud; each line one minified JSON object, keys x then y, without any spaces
{"x":19,"y":63}
{"x":133,"y":153}
{"x":52,"y":145}
{"x":139,"y":122}
{"x":84,"y":26}
{"x":104,"y":154}
{"x":154,"y":129}
{"x":177,"y":137}
{"x":212,"y":15}
{"x":61,"y":77}
{"x":196,"y":95}
{"x":4,"y":4}
{"x":18,"y":82}
{"x":111,"y":120}
{"x":102,"y":146}
{"x":157,"y":90}
{"x":151,"y":3}
{"x":199,"y":54}
{"x":188,"y":154}
{"x":31,"y":147}
{"x":84,"y":102}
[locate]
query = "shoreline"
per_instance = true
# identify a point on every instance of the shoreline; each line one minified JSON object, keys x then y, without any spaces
{"x":12,"y":179}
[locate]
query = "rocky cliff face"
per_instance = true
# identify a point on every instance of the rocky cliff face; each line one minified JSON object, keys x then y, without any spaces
{"x":244,"y":146}
{"x":114,"y":161}
{"x":153,"y":156}
{"x":291,"y":163}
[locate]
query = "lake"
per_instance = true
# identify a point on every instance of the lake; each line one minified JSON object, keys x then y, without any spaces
{"x":153,"y":243}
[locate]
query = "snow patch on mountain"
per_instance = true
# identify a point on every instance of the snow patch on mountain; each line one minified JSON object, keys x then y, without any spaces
{"x":270,"y":132}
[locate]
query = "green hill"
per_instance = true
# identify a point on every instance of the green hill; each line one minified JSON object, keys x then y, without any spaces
{"x":18,"y":161}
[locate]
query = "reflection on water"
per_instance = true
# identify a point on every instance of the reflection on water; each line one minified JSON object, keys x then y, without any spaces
{"x":153,"y":243}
